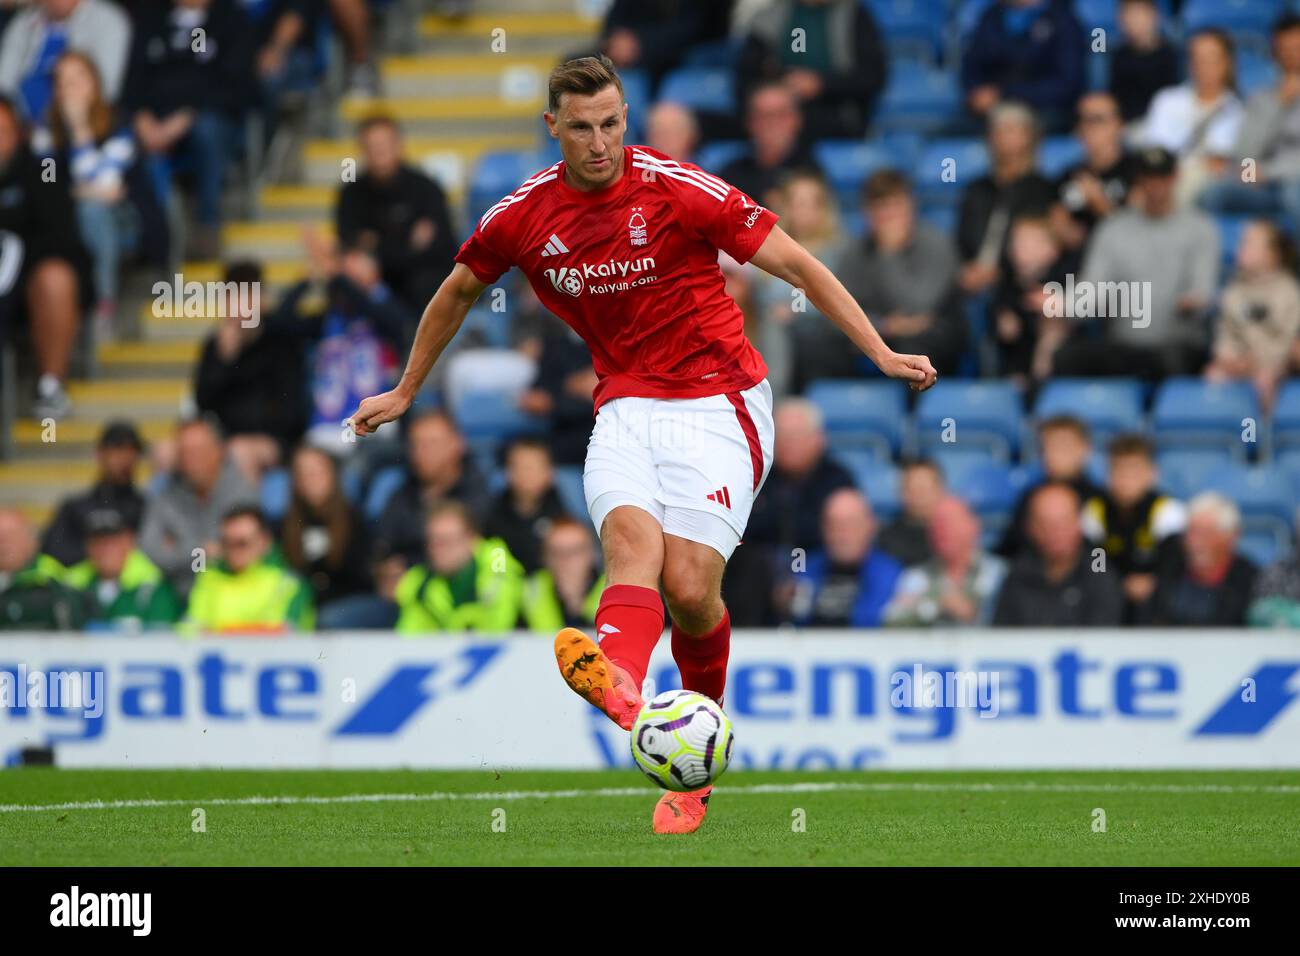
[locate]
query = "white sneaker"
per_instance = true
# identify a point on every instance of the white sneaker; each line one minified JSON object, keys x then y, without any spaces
{"x":51,"y":399}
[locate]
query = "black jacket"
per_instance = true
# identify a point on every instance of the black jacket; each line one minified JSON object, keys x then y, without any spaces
{"x":1083,"y":599}
{"x":167,"y":73}
{"x":260,"y":392}
{"x":523,"y":533}
{"x":40,"y":213}
{"x":351,"y":576}
{"x":1014,"y":543}
{"x":755,"y":181}
{"x":572,"y":417}
{"x":1179,"y":601}
{"x":390,"y":211}
{"x":787,"y":512}
{"x":855,"y":63}
{"x":65,"y":538}
{"x":666,"y":29}
{"x":401,"y":526}
{"x":1030,"y":195}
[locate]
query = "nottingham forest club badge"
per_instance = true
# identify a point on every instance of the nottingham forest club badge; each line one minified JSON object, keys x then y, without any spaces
{"x":636,"y":228}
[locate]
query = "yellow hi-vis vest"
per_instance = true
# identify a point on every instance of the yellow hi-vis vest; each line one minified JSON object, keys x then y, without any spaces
{"x":542,"y":608}
{"x":263,"y":597}
{"x":425,"y":603}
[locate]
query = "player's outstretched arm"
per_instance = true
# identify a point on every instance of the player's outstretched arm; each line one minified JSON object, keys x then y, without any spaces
{"x":784,"y":258}
{"x":442,"y":317}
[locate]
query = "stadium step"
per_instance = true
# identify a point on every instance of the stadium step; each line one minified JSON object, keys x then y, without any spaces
{"x":448,"y":158}
{"x":47,"y":481}
{"x":268,"y":240}
{"x":37,"y":515}
{"x":502,"y":34}
{"x":136,"y":398}
{"x":131,"y":360}
{"x":75,"y":438}
{"x":470,"y":75}
{"x":294,"y":203}
{"x":450,"y":116}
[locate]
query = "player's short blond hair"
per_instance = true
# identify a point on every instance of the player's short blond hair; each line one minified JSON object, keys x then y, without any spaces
{"x":584,"y":76}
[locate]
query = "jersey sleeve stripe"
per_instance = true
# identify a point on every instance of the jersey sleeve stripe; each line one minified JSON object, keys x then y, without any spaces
{"x":696,"y":173}
{"x":682,"y":175}
{"x":546,"y":175}
{"x":699,"y":176}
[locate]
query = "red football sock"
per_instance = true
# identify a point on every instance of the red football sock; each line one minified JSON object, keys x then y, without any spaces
{"x":629,"y":622}
{"x":703,"y":660}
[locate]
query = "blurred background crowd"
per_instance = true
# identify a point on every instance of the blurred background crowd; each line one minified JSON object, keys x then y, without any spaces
{"x":948,"y":159}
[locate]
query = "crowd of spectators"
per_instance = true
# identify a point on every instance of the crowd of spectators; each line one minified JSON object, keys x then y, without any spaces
{"x":196,"y":550}
{"x":428,"y":527}
{"x":132,"y":102}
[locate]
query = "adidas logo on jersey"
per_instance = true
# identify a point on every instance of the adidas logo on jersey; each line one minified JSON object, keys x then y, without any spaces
{"x":721,"y":496}
{"x":554,"y":246}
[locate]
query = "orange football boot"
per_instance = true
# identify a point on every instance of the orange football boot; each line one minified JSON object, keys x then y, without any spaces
{"x":596,"y":678}
{"x":682,"y":812}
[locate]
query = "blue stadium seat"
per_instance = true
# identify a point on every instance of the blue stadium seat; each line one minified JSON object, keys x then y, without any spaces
{"x":1255,"y":71}
{"x":860,"y":414}
{"x":987,"y":414}
{"x":1287,"y":461}
{"x":568,"y":484}
{"x":636,"y":93}
{"x":709,"y":88}
{"x":1286,"y":416}
{"x":1183,"y":471}
{"x":943,"y":217}
{"x":979,"y":479}
{"x":1191,"y":413}
{"x":1032,"y":473}
{"x":918,"y":98}
{"x":382,"y":486}
{"x":1109,"y":406}
{"x":1091,"y":14}
{"x":969,"y":13}
{"x":275,"y":492}
{"x":500,"y":173}
{"x":913,"y":29}
{"x":487,"y":418}
{"x":718,"y":53}
{"x":1056,"y":154}
{"x":1264,"y":494}
{"x":946,"y":167}
{"x":714,"y":156}
{"x":848,"y":162}
{"x":1235,"y":16}
{"x":1261,"y":547}
{"x":1099,"y":13}
{"x":1230,"y":228}
{"x":492,"y":327}
{"x":876,"y":479}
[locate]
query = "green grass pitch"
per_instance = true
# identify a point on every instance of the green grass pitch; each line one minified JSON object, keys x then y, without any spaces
{"x":526,"y":817}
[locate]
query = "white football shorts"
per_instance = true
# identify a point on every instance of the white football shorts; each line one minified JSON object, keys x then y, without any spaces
{"x":695,"y":464}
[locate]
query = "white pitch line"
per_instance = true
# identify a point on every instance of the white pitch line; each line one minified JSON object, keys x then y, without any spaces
{"x":762,"y":788}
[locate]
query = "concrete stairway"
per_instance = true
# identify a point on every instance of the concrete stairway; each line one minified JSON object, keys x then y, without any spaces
{"x":458,"y":95}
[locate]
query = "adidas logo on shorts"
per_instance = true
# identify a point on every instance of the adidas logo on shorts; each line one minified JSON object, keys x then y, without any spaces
{"x":721,"y":496}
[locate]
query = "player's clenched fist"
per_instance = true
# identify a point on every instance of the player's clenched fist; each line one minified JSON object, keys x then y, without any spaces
{"x":916,"y":370}
{"x":377,"y":409}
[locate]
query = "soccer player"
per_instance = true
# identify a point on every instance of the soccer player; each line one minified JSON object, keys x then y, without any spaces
{"x":622,"y":243}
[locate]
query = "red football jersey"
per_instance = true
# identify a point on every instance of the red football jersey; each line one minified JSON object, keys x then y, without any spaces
{"x":633,"y":269}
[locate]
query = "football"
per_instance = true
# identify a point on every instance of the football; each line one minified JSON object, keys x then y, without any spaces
{"x":682,"y":740}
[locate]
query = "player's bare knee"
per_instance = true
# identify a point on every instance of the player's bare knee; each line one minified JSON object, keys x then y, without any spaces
{"x":693,"y":598}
